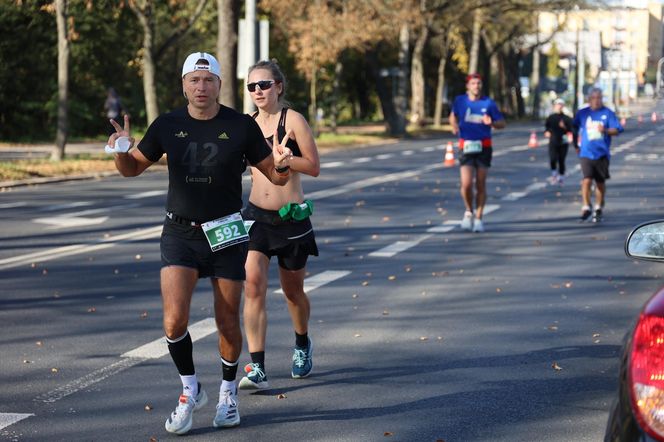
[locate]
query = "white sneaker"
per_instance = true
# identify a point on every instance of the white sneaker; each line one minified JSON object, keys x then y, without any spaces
{"x":478,"y":226}
{"x":181,"y":419}
{"x":467,"y":221}
{"x":554,"y":177}
{"x":227,"y":412}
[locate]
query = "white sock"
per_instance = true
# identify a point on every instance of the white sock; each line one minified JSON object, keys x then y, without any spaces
{"x":189,"y":385}
{"x":228,"y":385}
{"x":597,"y":207}
{"x":585,"y":208}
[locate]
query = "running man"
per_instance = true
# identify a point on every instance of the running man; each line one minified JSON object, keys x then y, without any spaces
{"x":203,"y":237}
{"x":472,"y":118}
{"x":595,"y":125}
{"x":282,"y":227}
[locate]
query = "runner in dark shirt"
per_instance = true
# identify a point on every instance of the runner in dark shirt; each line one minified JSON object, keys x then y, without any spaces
{"x":207,"y":147}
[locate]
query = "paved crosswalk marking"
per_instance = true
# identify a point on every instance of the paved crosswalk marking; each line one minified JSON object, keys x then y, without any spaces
{"x":321,"y":279}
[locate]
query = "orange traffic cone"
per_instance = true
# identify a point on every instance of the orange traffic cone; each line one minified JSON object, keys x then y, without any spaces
{"x":449,"y":155}
{"x":653,"y":117}
{"x":532,"y":142}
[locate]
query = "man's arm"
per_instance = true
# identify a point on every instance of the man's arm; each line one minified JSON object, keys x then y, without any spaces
{"x":132,"y":163}
{"x":454,"y":123}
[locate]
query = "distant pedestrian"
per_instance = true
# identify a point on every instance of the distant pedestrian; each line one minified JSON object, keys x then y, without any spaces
{"x":113,"y":107}
{"x":557,"y":126}
{"x":472,"y":118}
{"x":595,"y":125}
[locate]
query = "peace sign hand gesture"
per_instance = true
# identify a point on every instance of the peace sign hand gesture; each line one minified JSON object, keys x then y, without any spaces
{"x":121,"y":140}
{"x":280,"y":153}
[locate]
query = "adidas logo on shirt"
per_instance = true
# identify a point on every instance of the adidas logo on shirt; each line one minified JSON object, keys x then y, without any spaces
{"x":223,"y":136}
{"x":181,"y":134}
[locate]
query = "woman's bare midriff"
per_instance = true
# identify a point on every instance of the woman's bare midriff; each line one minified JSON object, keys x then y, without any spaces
{"x":267,"y":196}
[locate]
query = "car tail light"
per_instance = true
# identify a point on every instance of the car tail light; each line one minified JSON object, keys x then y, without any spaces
{"x":646,"y":371}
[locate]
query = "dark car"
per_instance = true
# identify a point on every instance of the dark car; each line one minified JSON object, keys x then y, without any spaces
{"x":638,"y":412}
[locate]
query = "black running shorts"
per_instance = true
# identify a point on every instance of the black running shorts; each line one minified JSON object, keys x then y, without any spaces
{"x":290,"y":241}
{"x":597,"y":170}
{"x":477,"y":160}
{"x":186,"y":246}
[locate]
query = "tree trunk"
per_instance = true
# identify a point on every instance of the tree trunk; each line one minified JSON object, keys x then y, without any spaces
{"x":146,"y":19}
{"x":398,"y":123}
{"x":475,"y":42}
{"x":440,"y":87}
{"x":58,"y":151}
{"x":418,"y":114}
{"x":334,"y":110}
{"x":227,"y":37}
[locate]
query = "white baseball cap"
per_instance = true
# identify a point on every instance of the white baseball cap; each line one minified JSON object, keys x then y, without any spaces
{"x":193,"y":63}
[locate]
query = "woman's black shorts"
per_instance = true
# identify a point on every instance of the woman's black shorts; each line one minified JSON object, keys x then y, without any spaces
{"x":290,"y":241}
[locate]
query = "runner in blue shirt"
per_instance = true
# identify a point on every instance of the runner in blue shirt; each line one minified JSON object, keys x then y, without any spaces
{"x":595,"y":125}
{"x":472,"y":118}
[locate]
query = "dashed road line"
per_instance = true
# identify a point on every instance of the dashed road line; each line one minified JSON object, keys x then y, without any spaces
{"x":326,"y":277}
{"x":7,"y":419}
{"x":398,"y":247}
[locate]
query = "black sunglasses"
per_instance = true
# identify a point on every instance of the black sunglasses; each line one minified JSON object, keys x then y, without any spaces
{"x":263,"y":84}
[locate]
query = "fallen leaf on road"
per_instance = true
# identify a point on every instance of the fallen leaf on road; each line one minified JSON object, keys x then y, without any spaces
{"x":281,"y":396}
{"x":357,"y":335}
{"x":553,"y":327}
{"x":568,"y":284}
{"x":424,"y":338}
{"x":388,"y":434}
{"x":39,"y":343}
{"x":408,"y":269}
{"x":556,"y":367}
{"x":359,"y":203}
{"x":54,"y":370}
{"x":92,"y":310}
{"x":138,"y":257}
{"x":498,"y":289}
{"x":386,"y":219}
{"x":385,"y":313}
{"x":596,"y":335}
{"x":355,"y":295}
{"x":365,"y":283}
{"x":374,"y":236}
{"x":144,"y":315}
{"x":391,"y":277}
{"x":44,"y":272}
{"x":148,"y":407}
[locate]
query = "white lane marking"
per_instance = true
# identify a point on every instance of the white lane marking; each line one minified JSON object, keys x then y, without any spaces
{"x":397,"y":247}
{"x":384,"y":156}
{"x":489,"y":208}
{"x":57,"y":222}
{"x":371,"y":182}
{"x":148,"y":194}
{"x":331,"y":165}
{"x":7,"y":419}
{"x":429,"y":149}
{"x":158,"y":348}
{"x":321,"y":279}
{"x":407,"y":152}
{"x":361,"y":160}
{"x":44,"y":255}
{"x":444,"y":228}
{"x":12,"y":205}
{"x":513,"y":196}
{"x":66,"y":206}
{"x":87,"y":380}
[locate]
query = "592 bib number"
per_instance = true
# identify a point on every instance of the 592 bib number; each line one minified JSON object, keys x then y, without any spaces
{"x":225,"y":232}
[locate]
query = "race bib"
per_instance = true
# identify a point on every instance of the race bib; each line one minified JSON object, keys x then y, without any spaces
{"x":225,"y":232}
{"x":474,"y":146}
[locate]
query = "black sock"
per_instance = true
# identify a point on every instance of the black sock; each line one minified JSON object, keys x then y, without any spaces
{"x":228,"y":371}
{"x":301,"y":340}
{"x":258,"y":357}
{"x":181,"y":350}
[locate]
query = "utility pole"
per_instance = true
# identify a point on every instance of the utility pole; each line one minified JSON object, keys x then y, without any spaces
{"x":250,"y":35}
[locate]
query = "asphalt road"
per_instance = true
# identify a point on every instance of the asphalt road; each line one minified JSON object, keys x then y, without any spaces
{"x":422,"y":332}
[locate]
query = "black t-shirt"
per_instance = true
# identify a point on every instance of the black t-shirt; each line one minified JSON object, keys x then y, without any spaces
{"x":558,"y":133}
{"x":206,"y":159}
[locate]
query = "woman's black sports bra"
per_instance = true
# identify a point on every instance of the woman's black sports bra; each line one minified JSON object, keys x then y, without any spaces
{"x":281,"y":132}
